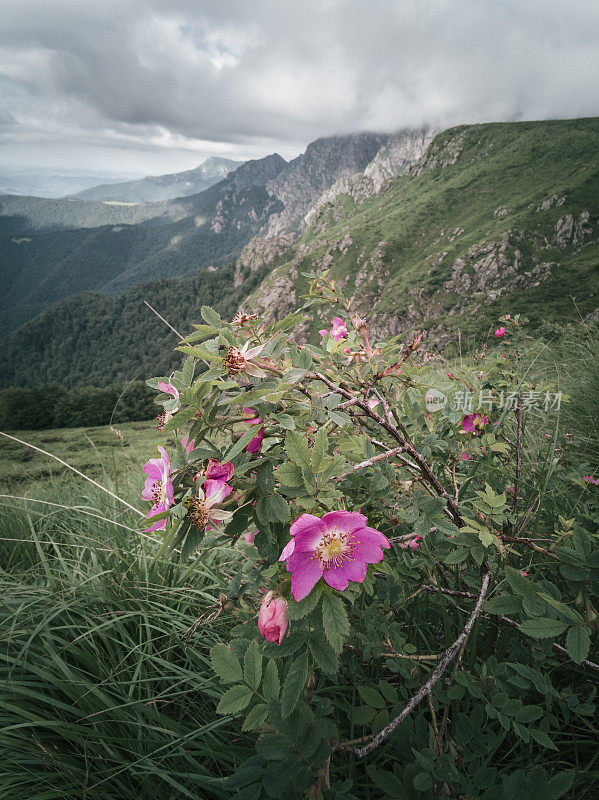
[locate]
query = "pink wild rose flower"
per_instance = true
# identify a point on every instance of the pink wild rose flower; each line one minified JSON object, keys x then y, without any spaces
{"x":216,"y":471}
{"x":272,"y":618}
{"x":338,"y":329}
{"x":158,"y":489}
{"x":336,"y":547}
{"x":254,"y":445}
{"x":168,"y":388}
{"x":474,"y":423}
{"x":249,"y":537}
{"x":500,"y":332}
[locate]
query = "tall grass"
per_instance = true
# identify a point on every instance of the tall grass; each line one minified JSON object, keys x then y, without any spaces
{"x":571,"y":362}
{"x":101,"y":696}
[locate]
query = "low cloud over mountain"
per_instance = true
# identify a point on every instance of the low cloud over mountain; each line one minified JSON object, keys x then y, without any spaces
{"x":157,"y":86}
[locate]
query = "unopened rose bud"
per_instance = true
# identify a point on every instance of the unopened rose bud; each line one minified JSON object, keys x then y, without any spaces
{"x":360,"y":325}
{"x":272,"y":618}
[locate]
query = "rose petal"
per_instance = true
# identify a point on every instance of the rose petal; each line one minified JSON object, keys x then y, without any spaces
{"x":287,"y":550}
{"x":345,"y":520}
{"x":305,"y":574}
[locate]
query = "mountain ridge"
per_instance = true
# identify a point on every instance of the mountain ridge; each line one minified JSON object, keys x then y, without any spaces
{"x":155,"y":188}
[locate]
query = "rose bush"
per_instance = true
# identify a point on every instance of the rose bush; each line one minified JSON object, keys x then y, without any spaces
{"x":447,"y":645}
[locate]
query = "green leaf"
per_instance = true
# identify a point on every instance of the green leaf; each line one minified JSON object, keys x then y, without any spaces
{"x":364,"y":715}
{"x":277,"y":508}
{"x":457,"y":556}
{"x":294,"y":684}
{"x":234,"y":700}
{"x":558,"y":786}
{"x":521,"y":585}
{"x":528,"y":714}
{"x":296,"y":447}
{"x":578,"y":642}
{"x":289,"y":475}
{"x":181,"y":417}
{"x":226,"y":664}
{"x":325,"y":656}
{"x":423,"y":782}
{"x":541,"y":738}
{"x":319,"y":449}
{"x":335,"y":621}
{"x":270,"y":683}
{"x":255,"y":718}
{"x":293,"y":375}
{"x":300,"y":610}
{"x":273,"y":746}
{"x":252,"y":666}
{"x":503,"y":604}
{"x":371,"y":697}
{"x":388,"y":783}
{"x":389,"y":692}
{"x":211,"y":317}
{"x":236,"y":448}
{"x":564,"y":610}
{"x":542,"y":627}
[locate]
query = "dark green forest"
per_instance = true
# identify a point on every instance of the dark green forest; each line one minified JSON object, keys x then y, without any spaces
{"x":98,"y":340}
{"x":52,"y":405}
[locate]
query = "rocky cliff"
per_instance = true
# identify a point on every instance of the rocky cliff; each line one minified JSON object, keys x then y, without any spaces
{"x":309,"y":175}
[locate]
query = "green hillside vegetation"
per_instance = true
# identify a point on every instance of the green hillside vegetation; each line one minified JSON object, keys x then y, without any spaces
{"x":517,"y":202}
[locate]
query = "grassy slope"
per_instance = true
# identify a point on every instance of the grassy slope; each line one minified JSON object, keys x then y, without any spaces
{"x":97,"y":452}
{"x":511,"y":165}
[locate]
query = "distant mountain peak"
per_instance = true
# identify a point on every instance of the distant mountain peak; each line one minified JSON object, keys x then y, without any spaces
{"x":156,"y":188}
{"x":259,"y":170}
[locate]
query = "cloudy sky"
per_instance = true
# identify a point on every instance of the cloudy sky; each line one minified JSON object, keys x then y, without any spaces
{"x":154,"y":86}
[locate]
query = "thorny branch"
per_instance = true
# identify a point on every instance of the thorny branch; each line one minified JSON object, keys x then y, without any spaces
{"x":370,"y":461}
{"x":446,"y":659}
{"x":421,"y":464}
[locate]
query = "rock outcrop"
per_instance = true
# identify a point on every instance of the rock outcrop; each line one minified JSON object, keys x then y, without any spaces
{"x":306,"y":177}
{"x":404,"y":148}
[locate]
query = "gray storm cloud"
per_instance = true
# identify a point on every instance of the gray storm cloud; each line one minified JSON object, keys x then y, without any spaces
{"x":244,"y":78}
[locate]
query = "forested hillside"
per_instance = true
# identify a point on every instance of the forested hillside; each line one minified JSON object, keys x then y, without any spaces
{"x":208,"y":229}
{"x":93,"y":339}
